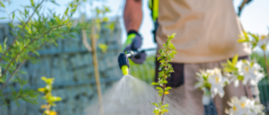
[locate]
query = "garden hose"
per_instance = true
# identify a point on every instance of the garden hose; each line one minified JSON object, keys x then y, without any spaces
{"x":124,"y":62}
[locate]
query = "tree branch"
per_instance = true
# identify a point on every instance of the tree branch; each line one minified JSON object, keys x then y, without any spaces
{"x":18,"y":68}
{"x":26,"y":47}
{"x":22,"y":29}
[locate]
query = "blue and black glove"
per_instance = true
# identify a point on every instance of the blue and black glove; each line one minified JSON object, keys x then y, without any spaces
{"x":133,"y":43}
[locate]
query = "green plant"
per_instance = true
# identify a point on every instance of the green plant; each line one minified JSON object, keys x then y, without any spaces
{"x":92,"y":28}
{"x":256,"y":41}
{"x":31,"y":33}
{"x":166,"y":55}
{"x":145,"y":71}
{"x":50,"y":99}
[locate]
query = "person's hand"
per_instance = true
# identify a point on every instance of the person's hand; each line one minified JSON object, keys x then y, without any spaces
{"x":133,"y":43}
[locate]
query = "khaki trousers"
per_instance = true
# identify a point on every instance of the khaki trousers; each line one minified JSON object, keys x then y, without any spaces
{"x":190,"y":98}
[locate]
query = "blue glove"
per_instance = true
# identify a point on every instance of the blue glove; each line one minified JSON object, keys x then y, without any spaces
{"x":134,"y":42}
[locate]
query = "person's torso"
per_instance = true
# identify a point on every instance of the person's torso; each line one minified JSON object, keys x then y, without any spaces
{"x":206,"y":30}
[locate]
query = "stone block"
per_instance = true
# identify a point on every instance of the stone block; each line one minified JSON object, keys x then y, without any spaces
{"x":80,"y":75}
{"x":87,"y":59}
{"x":18,"y":109}
{"x":76,"y":61}
{"x":71,"y":43}
{"x":4,"y":110}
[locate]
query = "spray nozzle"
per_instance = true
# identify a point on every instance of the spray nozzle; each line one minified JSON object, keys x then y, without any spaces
{"x":123,"y":63}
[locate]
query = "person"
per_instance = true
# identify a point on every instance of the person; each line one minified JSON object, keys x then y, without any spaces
{"x":206,"y":36}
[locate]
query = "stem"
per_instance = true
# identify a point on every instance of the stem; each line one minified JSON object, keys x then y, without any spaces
{"x":96,"y":68}
{"x":266,"y":63}
{"x":21,"y":29}
{"x":12,"y":75}
{"x":162,"y":100}
{"x":165,"y":77}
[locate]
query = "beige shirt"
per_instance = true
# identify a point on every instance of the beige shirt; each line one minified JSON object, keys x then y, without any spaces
{"x":206,"y":30}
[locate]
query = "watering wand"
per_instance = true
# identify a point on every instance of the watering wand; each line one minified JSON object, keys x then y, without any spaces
{"x":124,"y":62}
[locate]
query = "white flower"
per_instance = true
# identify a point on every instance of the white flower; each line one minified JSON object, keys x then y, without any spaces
{"x":211,"y":82}
{"x":202,"y":84}
{"x":256,"y":108}
{"x":262,"y":41}
{"x":243,"y":106}
{"x":200,"y":79}
{"x":250,"y":71}
{"x":237,"y":107}
{"x":232,"y":78}
{"x":217,"y":82}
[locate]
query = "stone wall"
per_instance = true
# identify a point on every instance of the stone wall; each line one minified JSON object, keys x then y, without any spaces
{"x":71,"y":65}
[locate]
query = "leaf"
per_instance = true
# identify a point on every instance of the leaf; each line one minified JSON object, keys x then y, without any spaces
{"x":154,"y":83}
{"x":263,"y":47}
{"x":54,"y":98}
{"x":230,"y":63}
{"x":245,"y":34}
{"x":168,"y":88}
{"x":242,"y":40}
{"x":32,"y":2}
{"x":43,"y":106}
{"x":106,"y":9}
{"x":105,"y":19}
{"x":41,"y":90}
{"x":103,"y":47}
{"x":164,"y":111}
{"x":254,"y":36}
{"x":3,"y":18}
{"x":73,"y":10}
{"x":155,"y":104}
{"x":13,"y":15}
{"x":235,"y":59}
{"x":66,"y":11}
{"x":54,"y":2}
{"x":159,"y":88}
{"x":1,"y":49}
{"x":2,"y":4}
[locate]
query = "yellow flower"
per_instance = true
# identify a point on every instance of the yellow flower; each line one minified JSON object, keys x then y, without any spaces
{"x":52,"y":113}
{"x":43,"y":106}
{"x":166,"y":92}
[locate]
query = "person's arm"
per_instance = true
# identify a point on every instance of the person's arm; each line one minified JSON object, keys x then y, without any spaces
{"x":132,"y":19}
{"x":132,"y":15}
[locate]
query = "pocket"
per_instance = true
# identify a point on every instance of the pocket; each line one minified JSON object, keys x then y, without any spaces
{"x":176,"y":78}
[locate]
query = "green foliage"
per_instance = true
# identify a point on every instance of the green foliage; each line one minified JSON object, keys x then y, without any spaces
{"x":50,"y":99}
{"x":145,"y":71}
{"x":254,"y":40}
{"x":260,"y":60}
{"x":167,"y":53}
{"x":230,"y":65}
{"x":103,"y":47}
{"x":31,"y":33}
{"x":93,"y":27}
{"x":257,"y":41}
